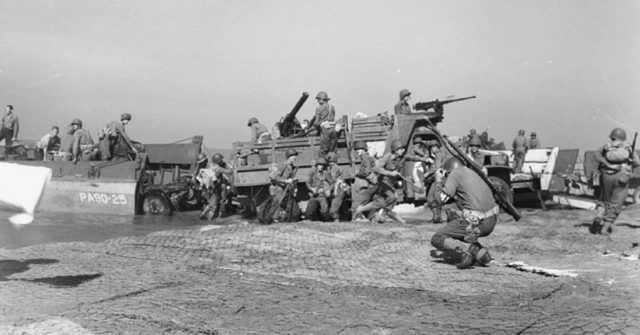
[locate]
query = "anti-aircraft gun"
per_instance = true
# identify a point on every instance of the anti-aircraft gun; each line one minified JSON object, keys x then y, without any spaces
{"x":428,"y":115}
{"x":290,"y":125}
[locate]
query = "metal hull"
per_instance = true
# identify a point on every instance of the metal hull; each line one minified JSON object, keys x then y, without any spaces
{"x":89,"y":196}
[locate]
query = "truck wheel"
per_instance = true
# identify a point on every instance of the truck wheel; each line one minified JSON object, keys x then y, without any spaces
{"x":636,"y":196}
{"x":503,"y":188}
{"x":155,"y":204}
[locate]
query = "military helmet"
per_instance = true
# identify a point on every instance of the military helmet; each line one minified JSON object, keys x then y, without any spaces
{"x":451,"y":164}
{"x":321,"y":161}
{"x":125,"y":116}
{"x":322,"y":95}
{"x":360,"y":145}
{"x":403,"y":93}
{"x":252,"y":121}
{"x":618,"y":134}
{"x":217,"y":158}
{"x":332,"y":157}
{"x":77,"y":121}
{"x":291,"y":152}
{"x":475,"y":140}
{"x":397,"y":144}
{"x":473,"y":131}
{"x":202,"y":157}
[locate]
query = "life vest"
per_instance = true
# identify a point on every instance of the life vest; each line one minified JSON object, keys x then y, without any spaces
{"x":617,"y":152}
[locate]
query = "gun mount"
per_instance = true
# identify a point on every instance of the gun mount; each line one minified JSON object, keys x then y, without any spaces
{"x":290,"y":125}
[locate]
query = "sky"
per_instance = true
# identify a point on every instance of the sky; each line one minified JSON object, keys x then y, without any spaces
{"x":568,"y":70}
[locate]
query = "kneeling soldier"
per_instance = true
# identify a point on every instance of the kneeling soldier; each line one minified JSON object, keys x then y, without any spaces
{"x":318,"y":192}
{"x":216,"y":179}
{"x":479,"y":213}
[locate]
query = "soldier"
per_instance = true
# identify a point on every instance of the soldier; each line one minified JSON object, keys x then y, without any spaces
{"x":474,"y":151}
{"x":432,"y":188}
{"x":48,"y":143}
{"x":283,"y":182}
{"x":9,"y":130}
{"x":66,"y":145}
{"x":534,"y":143}
{"x":259,"y":132}
{"x":112,"y":137}
{"x":403,"y":107}
{"x":365,"y":185}
{"x":478,"y":217}
{"x":324,"y":121}
{"x":388,"y":168}
{"x":337,"y":185}
{"x":520,"y":148}
{"x":617,"y":161}
{"x":318,"y":192}
{"x":83,"y":145}
{"x":215,"y":178}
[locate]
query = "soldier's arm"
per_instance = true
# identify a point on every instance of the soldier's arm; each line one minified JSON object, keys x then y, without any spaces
{"x":599,"y":157}
{"x":75,"y":149}
{"x":380,"y":167}
{"x":332,"y":114}
{"x":16,"y":128}
{"x":124,"y":135}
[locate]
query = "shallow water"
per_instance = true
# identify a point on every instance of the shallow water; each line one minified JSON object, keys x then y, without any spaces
{"x":69,"y":227}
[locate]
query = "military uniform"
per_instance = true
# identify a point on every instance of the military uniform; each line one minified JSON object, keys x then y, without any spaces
{"x":83,"y":145}
{"x":616,"y":164}
{"x":317,"y":180}
{"x":390,"y":162}
{"x":215,"y":178}
{"x":402,"y":106}
{"x":114,"y":138}
{"x":432,"y":187}
{"x":520,"y":147}
{"x":337,"y":188}
{"x":278,"y":176}
{"x":259,"y":132}
{"x":478,"y":217}
{"x":9,"y":130}
{"x":328,"y":135}
{"x":534,"y":143}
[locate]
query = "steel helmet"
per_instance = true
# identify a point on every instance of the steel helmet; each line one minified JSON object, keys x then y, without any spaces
{"x":291,"y":152}
{"x":217,"y":158}
{"x":403,"y":93}
{"x":618,"y":134}
{"x":475,"y":140}
{"x":125,"y":116}
{"x":397,"y":144}
{"x":321,"y":161}
{"x":322,"y":95}
{"x":360,"y":145}
{"x":202,"y":157}
{"x":332,"y":157}
{"x":252,"y":121}
{"x":77,"y":121}
{"x":451,"y":164}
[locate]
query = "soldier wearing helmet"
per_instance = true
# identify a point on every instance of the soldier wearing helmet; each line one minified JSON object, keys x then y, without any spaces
{"x":616,"y":162}
{"x":114,"y":139}
{"x":9,"y":128}
{"x":388,"y":169}
{"x":520,"y":147}
{"x":319,"y":191}
{"x":83,"y":147}
{"x":66,"y":145}
{"x":365,"y":185}
{"x":435,"y":156}
{"x":534,"y":142}
{"x":473,"y":150}
{"x":324,"y":121}
{"x":402,"y":106}
{"x":283,"y":179}
{"x":478,"y":217}
{"x":216,"y":180}
{"x":259,"y":132}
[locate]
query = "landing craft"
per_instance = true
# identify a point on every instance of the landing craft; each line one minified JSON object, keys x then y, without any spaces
{"x":21,"y":189}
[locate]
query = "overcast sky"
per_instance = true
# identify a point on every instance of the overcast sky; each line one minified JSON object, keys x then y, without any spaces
{"x":565,"y":69}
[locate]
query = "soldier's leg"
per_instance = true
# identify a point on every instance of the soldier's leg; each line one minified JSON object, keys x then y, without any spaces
{"x":105,"y":148}
{"x":451,"y":238}
{"x":336,"y":203}
{"x":312,"y":209}
{"x":615,"y":203}
{"x":7,"y":135}
{"x":607,"y":185}
{"x":433,"y":204}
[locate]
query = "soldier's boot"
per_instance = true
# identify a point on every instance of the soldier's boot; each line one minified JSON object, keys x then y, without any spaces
{"x":437,"y":215}
{"x":607,"y":228}
{"x":378,"y":216}
{"x":205,"y":212}
{"x":363,"y":208}
{"x":467,"y":258}
{"x":596,"y":226}
{"x":480,"y":253}
{"x":394,"y":216}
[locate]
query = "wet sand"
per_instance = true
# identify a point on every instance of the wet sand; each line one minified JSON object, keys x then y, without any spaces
{"x":345,"y":278}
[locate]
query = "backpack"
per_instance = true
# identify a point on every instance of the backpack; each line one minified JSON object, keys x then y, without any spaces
{"x":617,"y":152}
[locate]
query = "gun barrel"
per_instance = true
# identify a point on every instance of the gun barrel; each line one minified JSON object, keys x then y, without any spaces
{"x":459,"y":99}
{"x":297,"y":107}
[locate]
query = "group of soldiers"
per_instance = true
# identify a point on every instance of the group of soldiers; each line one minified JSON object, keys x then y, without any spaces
{"x":76,"y":143}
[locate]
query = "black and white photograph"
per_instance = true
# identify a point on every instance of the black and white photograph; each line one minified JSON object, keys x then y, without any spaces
{"x":319,"y":167}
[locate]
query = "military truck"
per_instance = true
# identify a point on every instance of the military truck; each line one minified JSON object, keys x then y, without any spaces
{"x":254,"y":162}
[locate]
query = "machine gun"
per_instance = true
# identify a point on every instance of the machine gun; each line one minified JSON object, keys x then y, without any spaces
{"x":437,"y":106}
{"x":290,"y":125}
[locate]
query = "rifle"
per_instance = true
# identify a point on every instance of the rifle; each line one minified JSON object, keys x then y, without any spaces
{"x":633,"y":148}
{"x":290,"y":125}
{"x":504,"y":204}
{"x":437,"y":106}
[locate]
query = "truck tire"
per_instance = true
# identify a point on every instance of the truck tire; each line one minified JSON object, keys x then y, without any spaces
{"x":155,"y":204}
{"x":503,"y":188}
